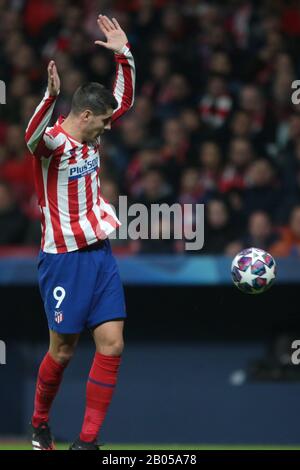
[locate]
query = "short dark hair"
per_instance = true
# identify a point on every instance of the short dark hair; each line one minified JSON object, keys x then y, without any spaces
{"x":93,"y":96}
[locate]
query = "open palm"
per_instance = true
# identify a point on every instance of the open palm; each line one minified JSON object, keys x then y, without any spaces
{"x":53,"y":79}
{"x":115,"y":36}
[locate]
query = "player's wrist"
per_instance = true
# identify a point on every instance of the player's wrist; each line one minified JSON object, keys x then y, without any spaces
{"x":122,"y":49}
{"x":51,"y":93}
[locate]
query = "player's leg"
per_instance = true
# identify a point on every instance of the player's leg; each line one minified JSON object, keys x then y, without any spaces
{"x":61,"y":350}
{"x":102,"y":381}
{"x":106,"y":321}
{"x":66,"y":282}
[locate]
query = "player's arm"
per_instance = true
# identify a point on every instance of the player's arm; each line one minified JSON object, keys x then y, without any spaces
{"x":38,"y":142}
{"x":125,"y":69}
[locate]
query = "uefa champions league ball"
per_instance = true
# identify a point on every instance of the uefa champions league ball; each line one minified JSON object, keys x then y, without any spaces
{"x":253,"y":270}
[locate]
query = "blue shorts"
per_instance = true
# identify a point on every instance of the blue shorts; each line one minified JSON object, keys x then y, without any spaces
{"x":81,"y":289}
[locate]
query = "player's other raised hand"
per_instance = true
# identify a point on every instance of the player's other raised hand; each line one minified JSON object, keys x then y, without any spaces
{"x":53,"y":79}
{"x":115,"y":36}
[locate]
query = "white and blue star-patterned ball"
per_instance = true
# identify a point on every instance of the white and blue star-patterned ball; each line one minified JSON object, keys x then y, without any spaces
{"x":253,"y":270}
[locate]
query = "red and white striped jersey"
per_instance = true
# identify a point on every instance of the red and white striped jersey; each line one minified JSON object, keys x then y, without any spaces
{"x":74,"y":214}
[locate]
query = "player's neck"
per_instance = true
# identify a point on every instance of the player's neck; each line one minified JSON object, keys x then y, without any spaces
{"x":71,"y":127}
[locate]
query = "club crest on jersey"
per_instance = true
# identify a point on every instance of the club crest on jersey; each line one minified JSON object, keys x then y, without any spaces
{"x":58,"y":316}
{"x":83,"y":168}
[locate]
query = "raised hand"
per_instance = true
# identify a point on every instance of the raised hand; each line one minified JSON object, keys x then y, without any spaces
{"x":115,"y":36}
{"x":53,"y":79}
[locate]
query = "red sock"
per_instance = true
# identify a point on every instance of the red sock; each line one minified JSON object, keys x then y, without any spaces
{"x":99,"y":391}
{"x":48,"y":381}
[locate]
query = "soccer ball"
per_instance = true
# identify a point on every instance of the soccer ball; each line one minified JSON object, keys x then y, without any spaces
{"x":253,"y":270}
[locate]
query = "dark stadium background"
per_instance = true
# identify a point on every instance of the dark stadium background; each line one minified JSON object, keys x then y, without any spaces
{"x":213,"y":123}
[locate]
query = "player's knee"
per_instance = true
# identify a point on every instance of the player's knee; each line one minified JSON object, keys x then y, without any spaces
{"x":111,"y":347}
{"x":63,"y":355}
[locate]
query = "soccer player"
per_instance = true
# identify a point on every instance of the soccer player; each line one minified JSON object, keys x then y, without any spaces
{"x":78,"y":277}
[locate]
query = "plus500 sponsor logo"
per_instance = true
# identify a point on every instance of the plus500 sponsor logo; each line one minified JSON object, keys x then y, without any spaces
{"x":77,"y":171}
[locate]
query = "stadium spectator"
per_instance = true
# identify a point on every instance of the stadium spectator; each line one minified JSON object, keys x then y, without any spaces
{"x":216,"y":104}
{"x":147,"y":157}
{"x":262,"y":191}
{"x":191,"y":191}
{"x":261,"y":233}
{"x":219,"y":230}
{"x":263,"y":124}
{"x":289,"y":242}
{"x":240,"y":155}
{"x":210,"y":161}
{"x":13,"y":224}
{"x":155,"y":188}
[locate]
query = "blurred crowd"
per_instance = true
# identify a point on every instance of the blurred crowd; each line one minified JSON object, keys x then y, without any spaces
{"x":213,"y":121}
